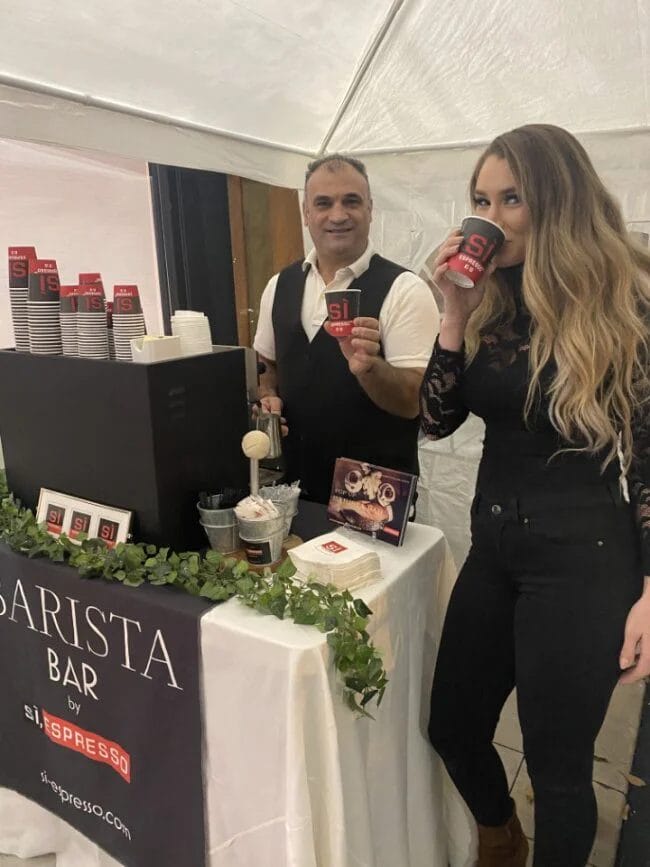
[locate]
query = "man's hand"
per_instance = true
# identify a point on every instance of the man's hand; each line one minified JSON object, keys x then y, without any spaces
{"x":268,"y":397}
{"x":361,"y":349}
{"x":395,"y":390}
{"x":271,"y":403}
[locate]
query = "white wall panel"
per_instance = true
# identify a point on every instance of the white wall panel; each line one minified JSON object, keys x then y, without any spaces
{"x":89,"y":212}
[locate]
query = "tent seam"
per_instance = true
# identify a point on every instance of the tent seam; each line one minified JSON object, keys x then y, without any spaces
{"x":72,"y":96}
{"x":360,"y":74}
{"x":476,"y":143}
{"x":644,"y":59}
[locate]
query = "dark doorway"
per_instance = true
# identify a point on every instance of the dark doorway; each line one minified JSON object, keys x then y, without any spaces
{"x":193,"y":244}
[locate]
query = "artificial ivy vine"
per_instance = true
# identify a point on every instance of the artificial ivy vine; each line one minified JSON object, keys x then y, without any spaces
{"x":217,"y":577}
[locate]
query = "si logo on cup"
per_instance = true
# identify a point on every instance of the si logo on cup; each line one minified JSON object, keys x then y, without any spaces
{"x":342,"y":310}
{"x":481,"y":240}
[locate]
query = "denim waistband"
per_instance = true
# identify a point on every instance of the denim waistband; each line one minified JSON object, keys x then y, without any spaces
{"x":509,"y":503}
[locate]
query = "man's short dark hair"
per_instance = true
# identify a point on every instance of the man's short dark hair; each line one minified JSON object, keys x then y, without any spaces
{"x":334,"y":162}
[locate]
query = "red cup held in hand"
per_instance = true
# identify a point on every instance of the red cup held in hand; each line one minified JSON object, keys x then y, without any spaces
{"x":481,"y":240}
{"x":342,"y":310}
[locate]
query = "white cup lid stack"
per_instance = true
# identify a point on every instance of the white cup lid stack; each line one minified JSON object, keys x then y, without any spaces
{"x":193,"y":328}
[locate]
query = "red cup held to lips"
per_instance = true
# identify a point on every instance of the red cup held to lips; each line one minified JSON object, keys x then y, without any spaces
{"x":342,"y":310}
{"x":481,"y":240}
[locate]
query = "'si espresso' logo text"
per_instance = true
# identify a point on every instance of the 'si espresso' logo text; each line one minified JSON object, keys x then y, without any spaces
{"x":91,"y":745}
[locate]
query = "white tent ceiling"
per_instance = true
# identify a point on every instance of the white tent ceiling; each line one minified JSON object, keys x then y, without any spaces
{"x":256,"y":86}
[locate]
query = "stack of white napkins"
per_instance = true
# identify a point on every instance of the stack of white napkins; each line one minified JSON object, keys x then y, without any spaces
{"x":336,"y":559}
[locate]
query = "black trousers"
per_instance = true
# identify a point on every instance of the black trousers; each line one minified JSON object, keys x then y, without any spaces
{"x":540,"y":604}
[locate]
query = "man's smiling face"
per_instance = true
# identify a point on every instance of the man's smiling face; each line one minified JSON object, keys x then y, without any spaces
{"x":337,"y":210}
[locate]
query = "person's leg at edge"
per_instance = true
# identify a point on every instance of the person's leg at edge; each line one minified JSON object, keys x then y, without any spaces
{"x":569,"y":624}
{"x":474,"y":676}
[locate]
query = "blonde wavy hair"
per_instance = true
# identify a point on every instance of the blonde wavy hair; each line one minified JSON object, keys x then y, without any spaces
{"x":586,"y":284}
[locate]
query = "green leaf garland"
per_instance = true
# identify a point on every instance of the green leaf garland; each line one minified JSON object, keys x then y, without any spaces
{"x":217,"y":577}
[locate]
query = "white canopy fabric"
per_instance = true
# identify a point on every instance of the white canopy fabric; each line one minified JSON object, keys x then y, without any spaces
{"x":257,"y":87}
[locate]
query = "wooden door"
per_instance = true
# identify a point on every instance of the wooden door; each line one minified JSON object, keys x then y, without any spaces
{"x":266,"y":236}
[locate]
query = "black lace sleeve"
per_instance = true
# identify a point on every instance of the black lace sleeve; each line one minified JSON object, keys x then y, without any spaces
{"x":441,"y":408}
{"x":639,"y":479}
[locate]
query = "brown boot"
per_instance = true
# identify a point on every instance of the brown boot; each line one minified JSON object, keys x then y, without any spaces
{"x":504,"y":846}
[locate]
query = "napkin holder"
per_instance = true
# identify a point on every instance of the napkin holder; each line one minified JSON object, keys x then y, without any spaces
{"x":146,"y":350}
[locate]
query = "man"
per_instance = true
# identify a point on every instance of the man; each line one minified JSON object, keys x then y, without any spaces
{"x":355,"y":397}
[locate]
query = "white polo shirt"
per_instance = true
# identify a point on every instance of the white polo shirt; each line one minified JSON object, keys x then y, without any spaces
{"x":408,"y":321}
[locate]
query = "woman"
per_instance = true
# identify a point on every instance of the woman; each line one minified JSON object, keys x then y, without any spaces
{"x":552,"y":350}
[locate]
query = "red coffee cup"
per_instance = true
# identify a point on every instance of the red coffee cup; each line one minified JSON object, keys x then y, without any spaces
{"x":481,"y":240}
{"x":342,"y":310}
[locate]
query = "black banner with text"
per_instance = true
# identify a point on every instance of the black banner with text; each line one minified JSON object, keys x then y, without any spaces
{"x":100,"y":718}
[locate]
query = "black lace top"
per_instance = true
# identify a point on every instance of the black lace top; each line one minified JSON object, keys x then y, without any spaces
{"x":494,"y":386}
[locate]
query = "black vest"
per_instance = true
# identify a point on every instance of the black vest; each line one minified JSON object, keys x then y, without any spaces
{"x":328,"y":413}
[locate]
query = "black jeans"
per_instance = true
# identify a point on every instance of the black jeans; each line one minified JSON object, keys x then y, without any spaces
{"x":539,"y":604}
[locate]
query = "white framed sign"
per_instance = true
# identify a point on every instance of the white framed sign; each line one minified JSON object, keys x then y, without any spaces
{"x":62,"y":513}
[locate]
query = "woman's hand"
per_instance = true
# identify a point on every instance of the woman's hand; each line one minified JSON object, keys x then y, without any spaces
{"x":460,"y":303}
{"x":635,"y":655}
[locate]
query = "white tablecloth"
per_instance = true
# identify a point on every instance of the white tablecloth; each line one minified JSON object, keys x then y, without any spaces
{"x":447,"y":483}
{"x":292,"y":778}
